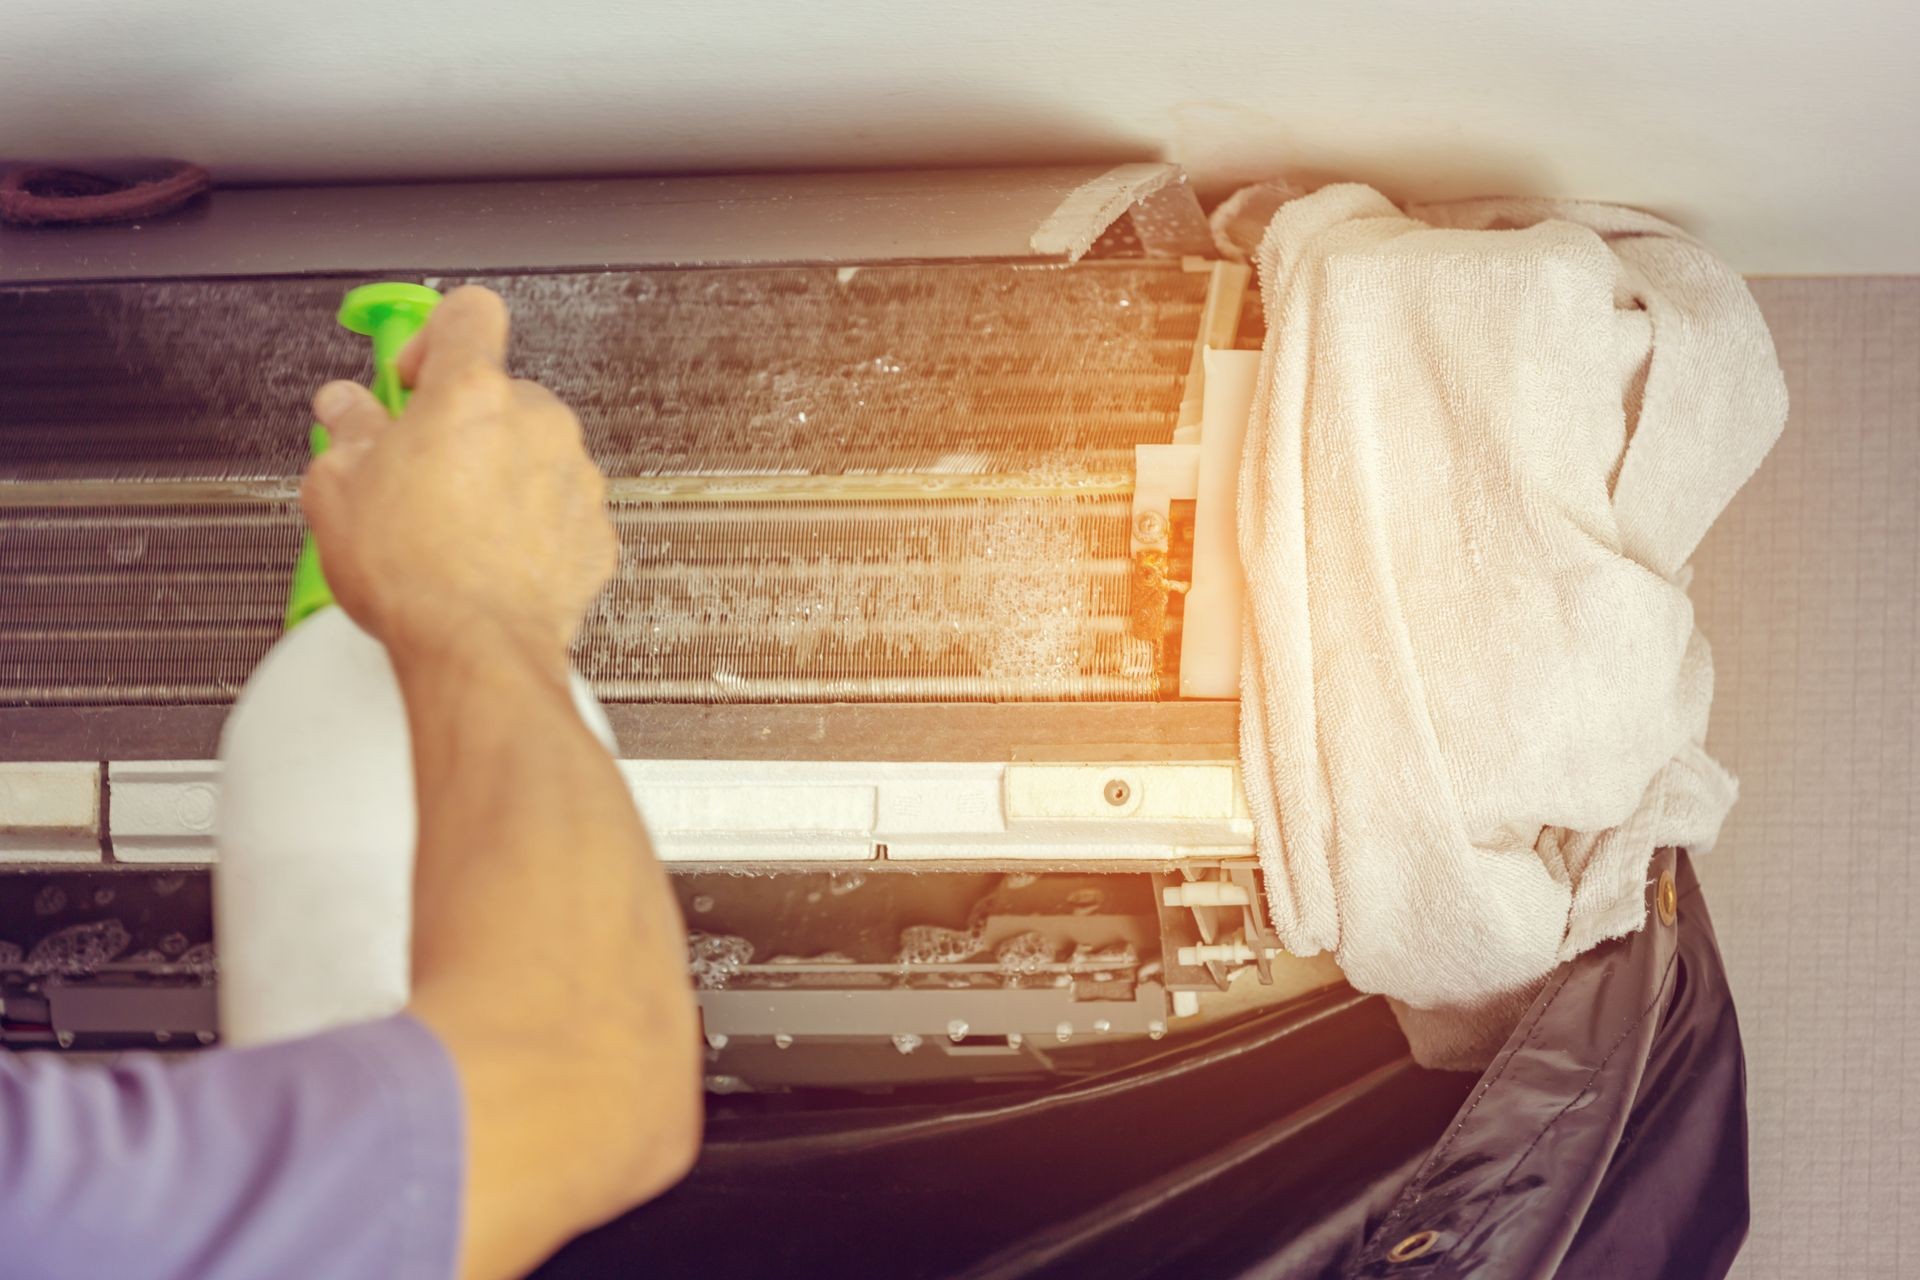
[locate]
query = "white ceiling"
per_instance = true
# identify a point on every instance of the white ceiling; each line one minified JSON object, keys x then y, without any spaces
{"x":1785,"y":133}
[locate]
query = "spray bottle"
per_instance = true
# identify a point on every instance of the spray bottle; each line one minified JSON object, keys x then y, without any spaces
{"x":313,"y":891}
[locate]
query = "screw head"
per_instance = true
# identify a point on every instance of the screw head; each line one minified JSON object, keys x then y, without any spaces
{"x":1667,"y":900}
{"x":1117,"y":792}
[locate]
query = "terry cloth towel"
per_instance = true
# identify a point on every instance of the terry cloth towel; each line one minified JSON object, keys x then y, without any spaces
{"x":1486,"y":438}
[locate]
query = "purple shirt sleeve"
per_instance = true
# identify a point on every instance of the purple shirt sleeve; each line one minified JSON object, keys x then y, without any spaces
{"x":339,"y":1155}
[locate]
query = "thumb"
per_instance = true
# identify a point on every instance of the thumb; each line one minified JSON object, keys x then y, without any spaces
{"x":349,"y":413}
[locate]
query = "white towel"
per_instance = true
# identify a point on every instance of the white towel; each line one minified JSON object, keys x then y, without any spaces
{"x":1486,"y":439}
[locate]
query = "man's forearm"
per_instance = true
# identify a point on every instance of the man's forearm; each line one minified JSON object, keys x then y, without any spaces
{"x":548,"y":951}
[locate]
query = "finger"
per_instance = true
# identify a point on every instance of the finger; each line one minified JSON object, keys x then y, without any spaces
{"x":318,"y":489}
{"x":541,"y":407}
{"x":467,"y":330}
{"x":349,"y":413}
{"x":407,"y":363}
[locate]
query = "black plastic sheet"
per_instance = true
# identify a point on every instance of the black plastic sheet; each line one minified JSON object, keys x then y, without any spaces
{"x":1609,"y":1139}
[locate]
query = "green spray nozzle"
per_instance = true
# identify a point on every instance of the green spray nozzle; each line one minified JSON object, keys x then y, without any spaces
{"x":390,"y":313}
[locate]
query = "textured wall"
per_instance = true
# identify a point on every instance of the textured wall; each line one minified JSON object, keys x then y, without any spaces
{"x":1807,"y":589}
{"x":1781,"y":130}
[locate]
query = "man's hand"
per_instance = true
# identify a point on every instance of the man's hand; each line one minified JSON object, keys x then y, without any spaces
{"x":478,"y":505}
{"x":548,"y":952}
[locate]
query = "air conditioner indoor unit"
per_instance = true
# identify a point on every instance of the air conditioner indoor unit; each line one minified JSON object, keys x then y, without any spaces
{"x":922,"y":652}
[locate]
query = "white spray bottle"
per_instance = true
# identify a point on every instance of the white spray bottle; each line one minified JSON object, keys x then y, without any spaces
{"x":313,"y":891}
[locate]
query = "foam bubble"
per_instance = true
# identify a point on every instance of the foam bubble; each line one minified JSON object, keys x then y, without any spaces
{"x":80,"y":948}
{"x":1023,"y":954}
{"x":929,"y":944}
{"x":714,"y":958}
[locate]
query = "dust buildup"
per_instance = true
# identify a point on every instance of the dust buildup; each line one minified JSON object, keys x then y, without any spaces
{"x":714,"y":958}
{"x":825,"y":957}
{"x":1114,"y":955}
{"x":1104,"y":961}
{"x":128,"y":385}
{"x":1086,"y":902}
{"x":929,"y":944}
{"x":960,"y":600}
{"x":758,"y":370}
{"x":1039,"y":377}
{"x":186,"y":620}
{"x":79,"y":949}
{"x":50,"y":901}
{"x":200,"y":958}
{"x":1040,"y":598}
{"x":792,"y":371}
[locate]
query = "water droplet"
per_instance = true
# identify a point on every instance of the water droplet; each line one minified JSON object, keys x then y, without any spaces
{"x":701,"y":903}
{"x":1102,"y":1026}
{"x":101,"y":897}
{"x":906,"y":1042}
{"x":716,"y":1040}
{"x":1063,"y":1032}
{"x":1015,"y":1039}
{"x":1156,"y":1029}
{"x":50,"y":901}
{"x":781,"y":1040}
{"x":957,"y":1030}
